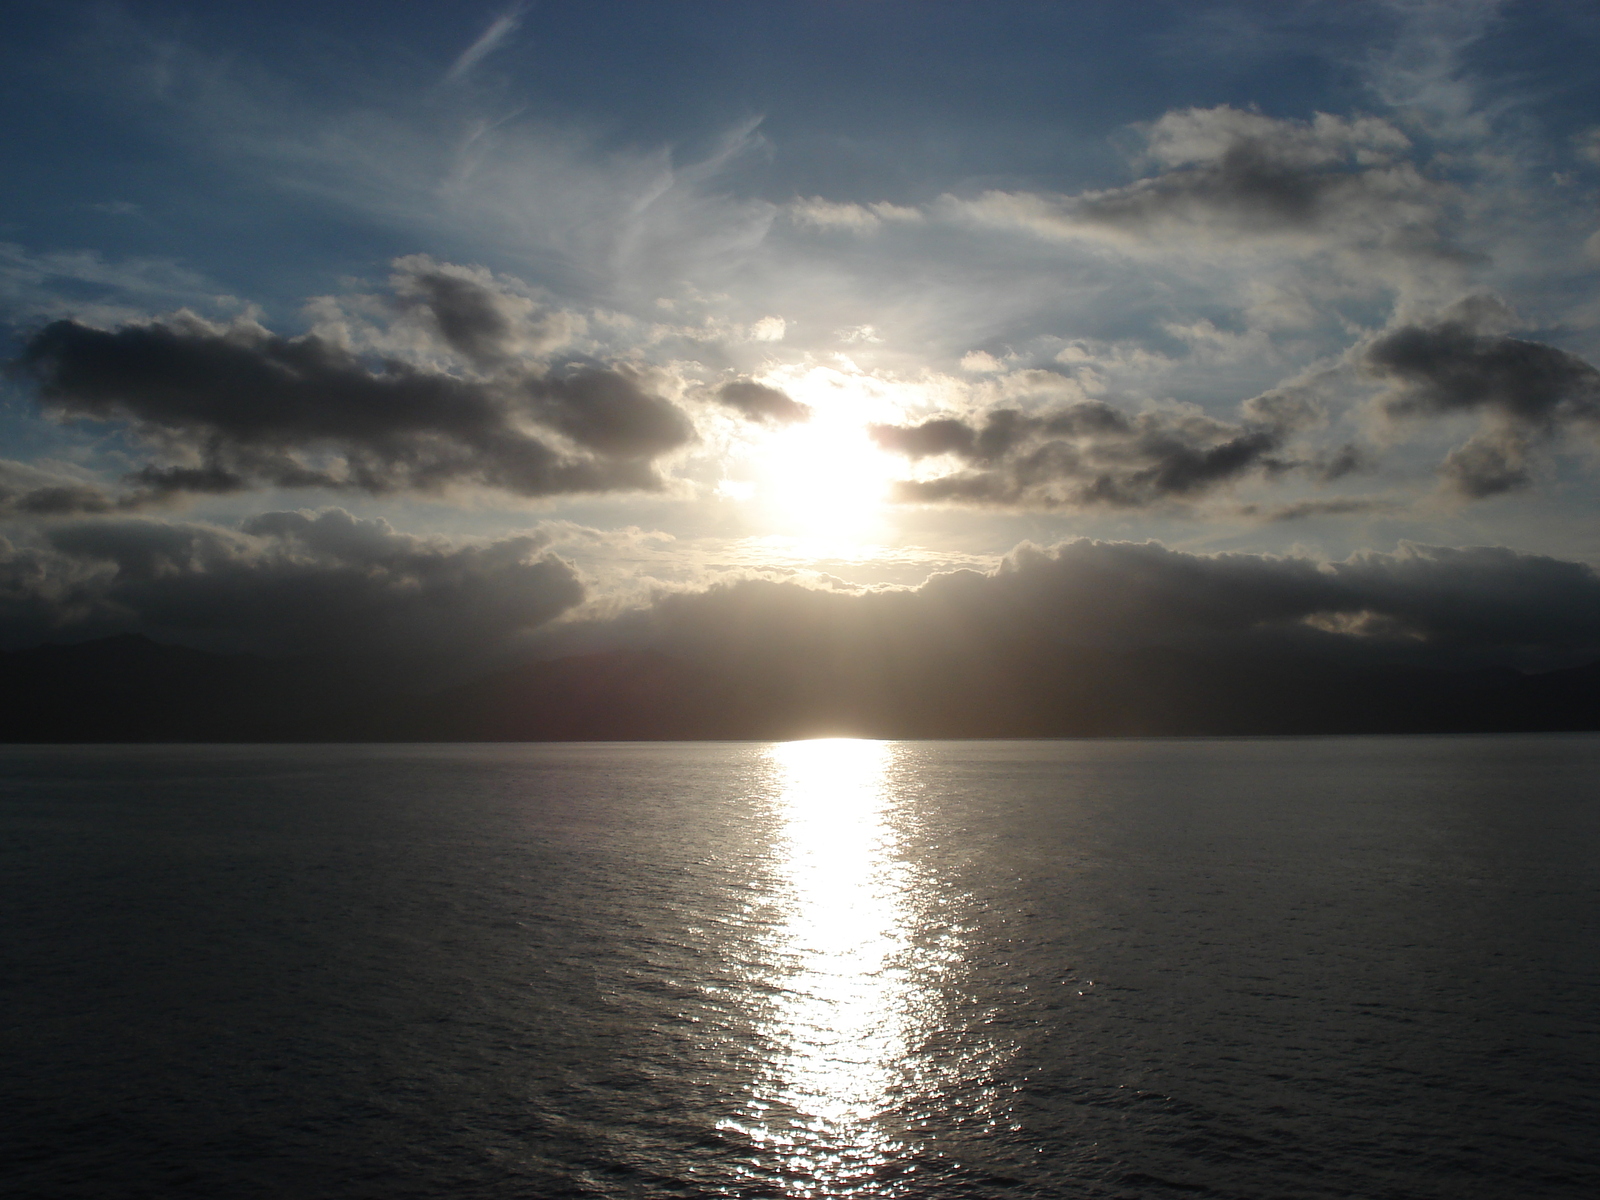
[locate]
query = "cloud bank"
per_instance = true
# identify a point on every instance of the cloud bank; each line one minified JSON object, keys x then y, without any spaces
{"x":283,"y":583}
{"x":294,"y":582}
{"x":1447,"y":606}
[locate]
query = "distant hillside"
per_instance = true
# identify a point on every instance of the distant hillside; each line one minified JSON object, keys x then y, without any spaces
{"x":129,"y":688}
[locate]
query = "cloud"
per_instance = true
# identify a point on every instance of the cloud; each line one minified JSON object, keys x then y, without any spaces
{"x":231,"y":407}
{"x":677,"y":259}
{"x":1586,"y":144}
{"x":1087,"y":635}
{"x":488,"y":42}
{"x":1527,"y":393}
{"x":1421,"y":73}
{"x":769,"y":329}
{"x":451,"y":164}
{"x":286,"y":583}
{"x":818,"y":213}
{"x":83,"y":282}
{"x":981,"y":362}
{"x":28,"y":491}
{"x":1229,"y":175}
{"x":1111,"y":623}
{"x":477,"y":316}
{"x":1082,"y":455}
{"x":1336,"y":506}
{"x":116,"y":208}
{"x":759,"y":402}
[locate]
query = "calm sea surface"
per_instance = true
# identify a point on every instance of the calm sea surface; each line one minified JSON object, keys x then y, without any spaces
{"x":1337,"y":967}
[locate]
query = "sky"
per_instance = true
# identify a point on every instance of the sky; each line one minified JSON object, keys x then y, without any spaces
{"x":469,"y":331}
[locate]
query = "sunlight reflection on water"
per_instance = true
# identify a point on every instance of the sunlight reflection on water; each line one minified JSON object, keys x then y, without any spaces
{"x":855,"y":997}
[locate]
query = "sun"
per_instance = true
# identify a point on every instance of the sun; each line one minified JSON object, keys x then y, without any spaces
{"x":824,"y":479}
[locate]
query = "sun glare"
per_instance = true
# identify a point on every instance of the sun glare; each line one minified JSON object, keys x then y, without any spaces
{"x":847,"y":1010}
{"x":822,"y":479}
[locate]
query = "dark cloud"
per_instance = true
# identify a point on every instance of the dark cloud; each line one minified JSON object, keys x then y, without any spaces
{"x":466,"y":315}
{"x":608,"y":412}
{"x":1228,"y":174}
{"x":1083,"y":638}
{"x":237,"y":407}
{"x":759,"y":402}
{"x":1257,"y":173}
{"x":479,"y":317}
{"x":27,"y":491}
{"x":1347,"y":459}
{"x":929,"y":439}
{"x":1091,"y":454}
{"x":287,"y":582}
{"x":1424,"y":603}
{"x":1450,"y":367}
{"x":1528,"y":393}
{"x":1083,"y":455}
{"x":1336,"y":506}
{"x":1488,"y":464}
{"x":154,"y":483}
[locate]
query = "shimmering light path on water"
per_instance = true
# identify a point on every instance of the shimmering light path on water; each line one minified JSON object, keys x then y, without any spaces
{"x":847,"y":1005}
{"x":1270,"y":969}
{"x":861,"y":965}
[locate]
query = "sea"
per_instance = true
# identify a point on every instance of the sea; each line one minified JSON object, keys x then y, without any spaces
{"x":1266,"y":969}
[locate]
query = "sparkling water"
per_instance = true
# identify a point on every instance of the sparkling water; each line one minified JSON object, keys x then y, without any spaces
{"x":1244,"y":968}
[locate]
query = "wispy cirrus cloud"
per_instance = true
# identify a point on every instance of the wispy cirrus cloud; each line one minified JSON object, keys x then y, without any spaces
{"x":490,"y":40}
